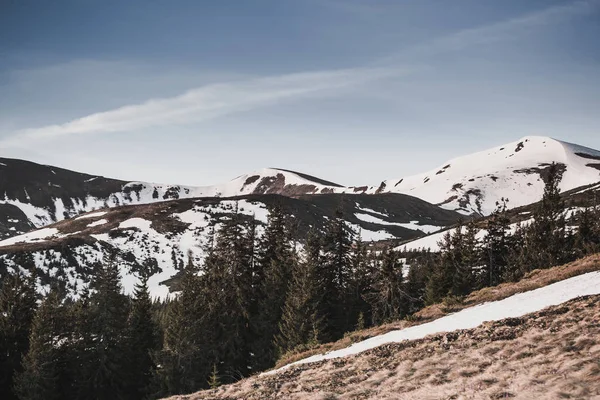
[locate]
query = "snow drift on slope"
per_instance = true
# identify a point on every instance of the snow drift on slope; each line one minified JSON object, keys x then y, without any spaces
{"x":511,"y":307}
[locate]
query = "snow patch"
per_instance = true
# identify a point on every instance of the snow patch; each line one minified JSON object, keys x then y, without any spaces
{"x":511,"y":307}
{"x":97,"y":223}
{"x":92,"y":215}
{"x":35,"y":236}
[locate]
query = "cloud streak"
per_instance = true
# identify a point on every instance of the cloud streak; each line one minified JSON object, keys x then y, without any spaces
{"x":503,"y":30}
{"x":512,"y":27}
{"x":207,"y":102}
{"x":215,"y":100}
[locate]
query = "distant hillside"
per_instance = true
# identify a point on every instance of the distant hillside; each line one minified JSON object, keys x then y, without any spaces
{"x":475,"y":182}
{"x":159,"y":235}
{"x":34,"y":195}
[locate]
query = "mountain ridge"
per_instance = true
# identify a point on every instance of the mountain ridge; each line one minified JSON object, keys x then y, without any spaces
{"x":475,"y":182}
{"x":34,"y":195}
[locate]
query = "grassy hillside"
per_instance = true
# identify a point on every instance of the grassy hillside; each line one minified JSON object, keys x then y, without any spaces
{"x":553,"y":353}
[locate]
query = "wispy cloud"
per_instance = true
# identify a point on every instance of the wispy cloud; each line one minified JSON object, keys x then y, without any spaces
{"x":502,"y":30}
{"x":206,"y":102}
{"x":214,"y":100}
{"x":513,"y":27}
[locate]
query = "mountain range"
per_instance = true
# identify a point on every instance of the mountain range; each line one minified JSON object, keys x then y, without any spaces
{"x":65,"y":220}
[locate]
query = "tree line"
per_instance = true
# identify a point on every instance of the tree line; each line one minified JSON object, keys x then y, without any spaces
{"x":255,"y":298}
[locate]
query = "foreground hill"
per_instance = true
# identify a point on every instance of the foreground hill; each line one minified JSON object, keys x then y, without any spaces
{"x":34,"y":195}
{"x":542,"y":343}
{"x":475,"y":182}
{"x":158,"y":236}
{"x":549,"y":354}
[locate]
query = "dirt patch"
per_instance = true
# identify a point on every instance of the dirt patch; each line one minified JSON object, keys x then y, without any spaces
{"x":594,"y":165}
{"x":519,"y":147}
{"x":381,"y":188}
{"x":251,"y":179}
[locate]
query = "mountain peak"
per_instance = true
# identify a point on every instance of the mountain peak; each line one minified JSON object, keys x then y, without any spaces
{"x":475,"y":182}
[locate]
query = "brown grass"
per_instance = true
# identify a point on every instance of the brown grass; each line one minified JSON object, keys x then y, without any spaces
{"x":550,"y":354}
{"x":533,"y":280}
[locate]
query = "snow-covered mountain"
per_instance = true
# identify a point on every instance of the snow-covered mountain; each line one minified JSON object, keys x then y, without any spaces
{"x":473,"y":183}
{"x":157,"y":237}
{"x":34,"y":195}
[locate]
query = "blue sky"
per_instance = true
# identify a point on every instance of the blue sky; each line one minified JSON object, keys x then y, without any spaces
{"x":353,"y":91}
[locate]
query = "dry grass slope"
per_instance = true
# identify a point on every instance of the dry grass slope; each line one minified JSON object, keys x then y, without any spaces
{"x":534,"y":280}
{"x":551,"y":354}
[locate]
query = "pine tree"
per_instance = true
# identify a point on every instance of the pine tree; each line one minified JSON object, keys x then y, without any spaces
{"x":273,"y":272}
{"x":388,"y":300}
{"x":465,"y":256}
{"x":184,"y":358}
{"x":361,"y":277}
{"x":214,"y":381}
{"x":497,"y":246}
{"x":335,"y":272}
{"x":227,"y":295}
{"x":545,"y":239}
{"x":17,"y":309}
{"x":300,"y":322}
{"x":142,"y":341}
{"x":100,"y":373}
{"x":44,"y":363}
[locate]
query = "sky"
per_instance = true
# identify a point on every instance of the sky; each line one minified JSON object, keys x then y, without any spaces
{"x":198,"y":92}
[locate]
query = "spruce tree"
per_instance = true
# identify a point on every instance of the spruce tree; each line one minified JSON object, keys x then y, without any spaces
{"x":440,"y":280}
{"x":587,"y":238}
{"x":214,"y":381}
{"x":496,"y":248}
{"x":184,"y":358}
{"x":227,"y":294}
{"x":517,"y":255}
{"x":465,"y":257}
{"x":545,"y":238}
{"x":388,"y":299}
{"x":361,"y":278}
{"x":335,"y":272}
{"x":301,"y":322}
{"x":100,"y":373}
{"x":273,"y":272}
{"x":17,"y":309}
{"x":44,"y":363}
{"x":142,"y":341}
{"x":453,"y":275}
{"x":421,"y":265}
